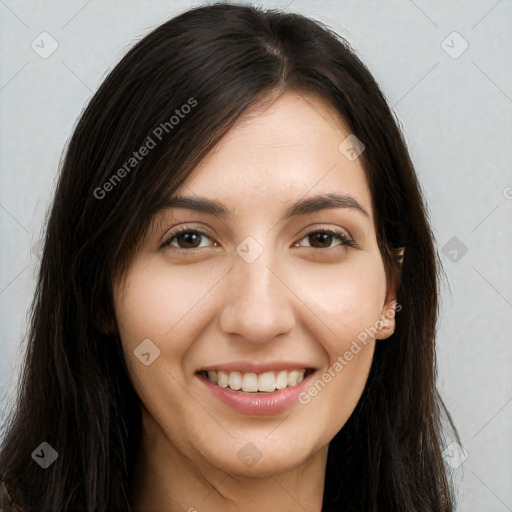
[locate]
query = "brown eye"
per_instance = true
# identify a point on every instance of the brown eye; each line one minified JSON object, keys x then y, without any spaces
{"x":186,"y":239}
{"x":323,"y":239}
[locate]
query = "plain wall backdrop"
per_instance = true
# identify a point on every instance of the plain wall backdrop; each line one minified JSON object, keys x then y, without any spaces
{"x":444,"y":67}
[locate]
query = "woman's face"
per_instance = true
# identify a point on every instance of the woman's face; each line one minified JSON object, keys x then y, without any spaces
{"x":258,"y":296}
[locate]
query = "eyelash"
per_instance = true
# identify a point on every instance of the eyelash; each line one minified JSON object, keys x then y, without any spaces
{"x":342,"y":237}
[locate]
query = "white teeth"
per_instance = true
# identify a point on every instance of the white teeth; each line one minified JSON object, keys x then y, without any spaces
{"x":235,"y":380}
{"x":292,"y":378}
{"x":266,"y":382}
{"x":251,"y":382}
{"x":282,"y":379}
{"x":223,"y":379}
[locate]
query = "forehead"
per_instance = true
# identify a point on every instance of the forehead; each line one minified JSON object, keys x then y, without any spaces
{"x":278,"y":152}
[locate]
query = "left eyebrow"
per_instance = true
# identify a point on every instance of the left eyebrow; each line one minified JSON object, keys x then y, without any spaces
{"x":301,"y":207}
{"x":322,"y":202}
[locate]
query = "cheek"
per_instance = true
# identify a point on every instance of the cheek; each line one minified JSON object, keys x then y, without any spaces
{"x":347,"y":298}
{"x":167,"y":306}
{"x":350,"y":372}
{"x":157,"y":300}
{"x":152,"y":304}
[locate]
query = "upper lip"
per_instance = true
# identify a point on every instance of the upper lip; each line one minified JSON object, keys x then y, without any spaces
{"x":250,"y":366}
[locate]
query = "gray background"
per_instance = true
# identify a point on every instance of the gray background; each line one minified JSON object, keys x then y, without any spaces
{"x":456,"y":111}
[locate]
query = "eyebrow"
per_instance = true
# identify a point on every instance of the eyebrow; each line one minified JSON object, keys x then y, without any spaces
{"x":301,"y":207}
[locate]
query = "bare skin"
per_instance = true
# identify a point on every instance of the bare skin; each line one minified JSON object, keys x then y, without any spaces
{"x":303,"y":300}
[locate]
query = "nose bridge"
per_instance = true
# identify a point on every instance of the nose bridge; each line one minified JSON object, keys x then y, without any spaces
{"x":258,"y":305}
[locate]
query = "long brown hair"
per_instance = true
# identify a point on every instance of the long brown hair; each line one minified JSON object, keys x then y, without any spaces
{"x":75,"y":393}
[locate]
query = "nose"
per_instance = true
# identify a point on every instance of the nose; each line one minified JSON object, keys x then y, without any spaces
{"x":258,"y":302}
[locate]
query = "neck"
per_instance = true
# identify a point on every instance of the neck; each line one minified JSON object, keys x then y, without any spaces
{"x":166,"y":480}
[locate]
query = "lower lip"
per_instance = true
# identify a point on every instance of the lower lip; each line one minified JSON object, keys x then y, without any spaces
{"x":258,"y":403}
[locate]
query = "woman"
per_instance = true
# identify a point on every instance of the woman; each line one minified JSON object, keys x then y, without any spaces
{"x":236,"y":224}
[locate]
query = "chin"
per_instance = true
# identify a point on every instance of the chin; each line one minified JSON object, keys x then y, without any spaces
{"x":258,"y":456}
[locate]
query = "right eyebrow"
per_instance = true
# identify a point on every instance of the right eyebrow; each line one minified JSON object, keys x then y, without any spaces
{"x":200,"y":204}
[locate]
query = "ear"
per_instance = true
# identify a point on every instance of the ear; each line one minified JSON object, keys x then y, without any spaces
{"x":387,"y":317}
{"x":390,"y":308}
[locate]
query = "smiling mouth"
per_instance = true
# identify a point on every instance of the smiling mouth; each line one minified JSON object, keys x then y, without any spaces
{"x":250,"y":382}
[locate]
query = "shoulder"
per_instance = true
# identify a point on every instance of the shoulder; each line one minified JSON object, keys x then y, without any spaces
{"x":9,"y":498}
